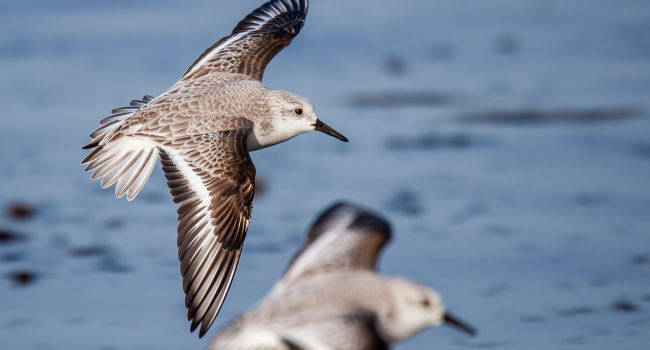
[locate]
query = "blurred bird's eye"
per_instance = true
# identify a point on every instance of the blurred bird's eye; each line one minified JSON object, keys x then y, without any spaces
{"x":425,"y":302}
{"x":298,"y":111}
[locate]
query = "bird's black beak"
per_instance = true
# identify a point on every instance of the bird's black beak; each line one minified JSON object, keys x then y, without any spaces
{"x":462,"y":326}
{"x":322,"y":127}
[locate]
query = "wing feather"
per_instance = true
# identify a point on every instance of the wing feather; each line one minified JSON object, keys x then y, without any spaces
{"x":254,"y":41}
{"x":344,"y":238}
{"x":212,"y":178}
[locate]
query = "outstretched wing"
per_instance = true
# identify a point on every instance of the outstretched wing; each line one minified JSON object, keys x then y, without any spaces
{"x":254,"y":41}
{"x":344,"y":238}
{"x":212,"y":178}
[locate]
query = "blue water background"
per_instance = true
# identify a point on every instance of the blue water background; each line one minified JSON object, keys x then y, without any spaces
{"x":508,"y":142}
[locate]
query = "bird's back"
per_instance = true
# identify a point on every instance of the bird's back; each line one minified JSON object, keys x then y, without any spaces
{"x":201,"y":106}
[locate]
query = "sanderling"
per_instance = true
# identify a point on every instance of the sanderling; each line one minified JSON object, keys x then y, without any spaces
{"x":331,"y":297}
{"x":203,"y":128}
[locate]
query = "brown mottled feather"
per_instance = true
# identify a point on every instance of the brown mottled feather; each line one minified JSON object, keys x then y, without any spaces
{"x":210,"y":233}
{"x":254,"y":41}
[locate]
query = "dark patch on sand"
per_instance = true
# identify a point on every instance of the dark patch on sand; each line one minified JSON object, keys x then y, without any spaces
{"x":507,"y":44}
{"x":490,"y":345}
{"x":261,"y":186}
{"x":576,"y":311}
{"x":619,"y":231}
{"x":151,"y":196}
{"x":601,"y":283}
{"x":108,"y":259}
{"x":110,"y":263}
{"x":107,"y":347}
{"x":76,"y":320}
{"x":573,"y":340}
{"x":499,"y":230}
{"x":633,"y":333}
{"x":558,"y":116}
{"x":405,"y":202}
{"x":12,"y":257}
{"x":429,"y":141}
{"x":395,"y":99}
{"x":395,"y":64}
{"x":114,"y":223}
{"x":532,"y":319}
{"x":640,"y":259}
{"x":590,"y":199}
{"x":443,"y":51}
{"x":89,"y":251}
{"x":9,"y":237}
{"x":528,"y":247}
{"x":600,"y":331}
{"x":18,"y":322}
{"x":469,"y":212}
{"x":625,"y":306}
{"x":266,"y":247}
{"x":22,"y":277}
{"x":565,"y":285}
{"x":495,"y":290}
{"x":20,"y":211}
{"x":643,"y":150}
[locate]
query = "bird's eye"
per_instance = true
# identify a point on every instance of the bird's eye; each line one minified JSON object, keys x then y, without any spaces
{"x":298,"y":111}
{"x":425,"y":302}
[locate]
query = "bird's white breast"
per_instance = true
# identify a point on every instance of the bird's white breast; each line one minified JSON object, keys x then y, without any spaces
{"x":278,"y":131}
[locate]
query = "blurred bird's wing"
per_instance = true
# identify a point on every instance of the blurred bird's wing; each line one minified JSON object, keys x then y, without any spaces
{"x":254,"y":41}
{"x":344,"y":238}
{"x":212,"y":178}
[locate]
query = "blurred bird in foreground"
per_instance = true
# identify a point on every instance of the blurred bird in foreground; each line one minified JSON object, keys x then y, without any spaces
{"x":203,"y":128}
{"x":331,"y":297}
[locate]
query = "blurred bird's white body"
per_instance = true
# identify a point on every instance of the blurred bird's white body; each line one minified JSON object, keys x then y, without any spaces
{"x":332,"y":298}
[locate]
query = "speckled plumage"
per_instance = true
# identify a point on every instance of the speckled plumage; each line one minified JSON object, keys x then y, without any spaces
{"x":203,"y":128}
{"x":332,"y":298}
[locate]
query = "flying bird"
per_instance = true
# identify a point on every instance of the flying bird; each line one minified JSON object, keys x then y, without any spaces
{"x":203,"y":129}
{"x":331,"y":296}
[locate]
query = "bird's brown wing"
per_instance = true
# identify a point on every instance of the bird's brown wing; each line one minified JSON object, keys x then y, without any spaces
{"x":212,"y":178}
{"x":254,"y":41}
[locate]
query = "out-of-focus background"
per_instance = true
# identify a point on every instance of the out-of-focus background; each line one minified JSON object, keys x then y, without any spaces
{"x":508,"y":142}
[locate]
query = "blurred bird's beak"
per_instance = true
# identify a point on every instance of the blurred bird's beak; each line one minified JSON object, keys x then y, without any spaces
{"x":322,"y":127}
{"x":462,"y":326}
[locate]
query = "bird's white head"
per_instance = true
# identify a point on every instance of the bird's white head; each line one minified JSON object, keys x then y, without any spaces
{"x":414,"y":308}
{"x":288,"y":115}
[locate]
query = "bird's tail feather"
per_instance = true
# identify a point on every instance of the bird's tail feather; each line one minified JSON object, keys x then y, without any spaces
{"x":127,"y":160}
